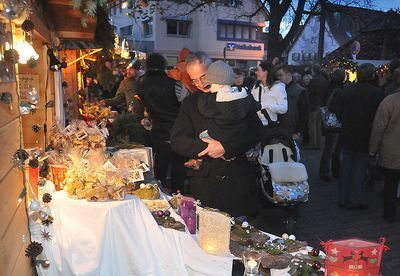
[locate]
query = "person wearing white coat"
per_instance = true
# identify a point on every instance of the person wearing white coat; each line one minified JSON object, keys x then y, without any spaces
{"x":269,"y":93}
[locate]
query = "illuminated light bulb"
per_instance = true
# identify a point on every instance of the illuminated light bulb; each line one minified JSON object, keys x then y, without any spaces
{"x":26,"y":52}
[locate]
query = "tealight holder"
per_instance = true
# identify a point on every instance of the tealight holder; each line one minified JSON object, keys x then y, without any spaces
{"x":214,"y":231}
{"x":251,"y":260}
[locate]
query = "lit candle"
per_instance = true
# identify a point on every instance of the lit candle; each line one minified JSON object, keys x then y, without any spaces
{"x":252,"y":266}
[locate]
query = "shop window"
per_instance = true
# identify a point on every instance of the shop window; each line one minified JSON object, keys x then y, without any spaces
{"x":148,"y":27}
{"x":126,"y":31}
{"x":178,"y":27}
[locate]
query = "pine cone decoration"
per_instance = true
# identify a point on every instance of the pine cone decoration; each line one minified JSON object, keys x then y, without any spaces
{"x":48,"y":221}
{"x":36,"y":128}
{"x":46,"y":198}
{"x":33,"y":250}
{"x":11,"y":55}
{"x":33,"y":163}
{"x":27,"y":25}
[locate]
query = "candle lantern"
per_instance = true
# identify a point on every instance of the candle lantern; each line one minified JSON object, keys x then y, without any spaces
{"x":187,"y":211}
{"x":58,"y":173}
{"x":354,"y":257}
{"x":251,"y":260}
{"x":214,"y":231}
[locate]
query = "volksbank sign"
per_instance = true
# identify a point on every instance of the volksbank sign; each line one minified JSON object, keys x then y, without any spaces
{"x":237,"y":46}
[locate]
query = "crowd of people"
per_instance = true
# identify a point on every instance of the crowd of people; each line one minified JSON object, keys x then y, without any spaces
{"x":209,"y":119}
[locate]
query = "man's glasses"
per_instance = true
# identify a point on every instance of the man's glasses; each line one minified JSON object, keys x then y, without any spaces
{"x":199,"y":80}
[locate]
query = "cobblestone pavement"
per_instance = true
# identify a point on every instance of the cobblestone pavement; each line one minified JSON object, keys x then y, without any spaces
{"x":321,"y":219}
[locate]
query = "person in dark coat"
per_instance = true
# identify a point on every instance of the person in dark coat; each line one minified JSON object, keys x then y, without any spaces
{"x":295,"y":120}
{"x":316,"y":90}
{"x":356,"y":110}
{"x":157,"y":93}
{"x":390,"y":85}
{"x":330,"y":154}
{"x":226,"y":185}
{"x":227,"y":107}
{"x":385,"y":144}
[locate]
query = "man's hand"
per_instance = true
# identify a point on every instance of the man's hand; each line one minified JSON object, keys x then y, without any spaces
{"x":102,"y":103}
{"x":214,"y":149}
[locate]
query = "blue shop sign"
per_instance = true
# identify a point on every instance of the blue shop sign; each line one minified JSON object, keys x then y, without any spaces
{"x":233,"y":46}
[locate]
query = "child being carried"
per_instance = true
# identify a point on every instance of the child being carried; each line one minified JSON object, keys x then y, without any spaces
{"x":226,"y":107}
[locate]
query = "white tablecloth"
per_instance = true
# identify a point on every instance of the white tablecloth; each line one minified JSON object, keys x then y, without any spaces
{"x":119,"y":238}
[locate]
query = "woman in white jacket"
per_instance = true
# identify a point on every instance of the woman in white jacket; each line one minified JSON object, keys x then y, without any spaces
{"x":270,"y":93}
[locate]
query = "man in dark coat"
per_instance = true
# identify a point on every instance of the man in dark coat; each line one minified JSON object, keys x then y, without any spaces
{"x":157,"y":93}
{"x":317,"y":90}
{"x":294,"y":121}
{"x":226,"y":185}
{"x":356,"y":109}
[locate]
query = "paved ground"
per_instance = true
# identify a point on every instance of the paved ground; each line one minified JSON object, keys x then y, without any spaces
{"x":321,"y":219}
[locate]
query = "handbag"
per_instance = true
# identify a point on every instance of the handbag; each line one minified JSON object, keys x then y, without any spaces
{"x":329,"y":119}
{"x":289,"y":182}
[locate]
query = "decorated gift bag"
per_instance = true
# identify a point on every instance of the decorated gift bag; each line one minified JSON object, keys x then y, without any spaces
{"x":353,"y":257}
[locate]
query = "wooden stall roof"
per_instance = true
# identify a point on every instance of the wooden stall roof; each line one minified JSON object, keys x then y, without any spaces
{"x":67,"y":21}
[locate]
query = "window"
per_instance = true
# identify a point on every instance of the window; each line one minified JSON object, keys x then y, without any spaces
{"x":148,"y":27}
{"x":229,"y":3}
{"x":178,"y":27}
{"x":240,"y":32}
{"x":126,"y":31}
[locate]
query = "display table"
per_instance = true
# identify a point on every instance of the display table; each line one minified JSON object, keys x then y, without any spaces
{"x":119,"y":238}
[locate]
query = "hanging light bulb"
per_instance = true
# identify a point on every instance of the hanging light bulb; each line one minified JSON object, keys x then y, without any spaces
{"x":26,"y":52}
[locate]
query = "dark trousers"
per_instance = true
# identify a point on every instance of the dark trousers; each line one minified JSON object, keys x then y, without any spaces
{"x":353,"y":171}
{"x":331,"y":139}
{"x":392,"y":178}
{"x":164,"y":159}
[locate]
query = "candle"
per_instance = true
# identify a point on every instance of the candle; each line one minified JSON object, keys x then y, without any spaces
{"x":251,"y":261}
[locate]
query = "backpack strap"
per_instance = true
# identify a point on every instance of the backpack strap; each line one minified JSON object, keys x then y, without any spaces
{"x":264,"y":111}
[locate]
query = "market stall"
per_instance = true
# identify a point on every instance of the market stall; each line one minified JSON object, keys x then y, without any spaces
{"x":99,"y":211}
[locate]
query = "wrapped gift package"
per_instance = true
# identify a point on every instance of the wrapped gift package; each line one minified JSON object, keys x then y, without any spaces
{"x":354,"y":257}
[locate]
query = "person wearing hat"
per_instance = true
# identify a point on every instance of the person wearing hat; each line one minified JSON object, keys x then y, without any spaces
{"x":157,"y":93}
{"x":127,"y":89}
{"x":227,"y":107}
{"x":228,"y":186}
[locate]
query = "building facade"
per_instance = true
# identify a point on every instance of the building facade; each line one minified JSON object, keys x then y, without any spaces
{"x":343,"y":23}
{"x":215,"y":30}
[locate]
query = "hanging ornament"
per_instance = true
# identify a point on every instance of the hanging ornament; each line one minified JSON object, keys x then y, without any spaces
{"x":32,"y":62}
{"x":33,"y":250}
{"x":19,"y":157}
{"x":316,"y":265}
{"x":11,"y":55}
{"x":33,"y":163}
{"x":36,"y":128}
{"x":44,"y":263}
{"x":48,"y":221}
{"x":33,"y":96}
{"x":44,"y":169}
{"x":46,"y":235}
{"x":35,"y":205}
{"x":43,"y":215}
{"x":46,"y":198}
{"x":27,"y":25}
